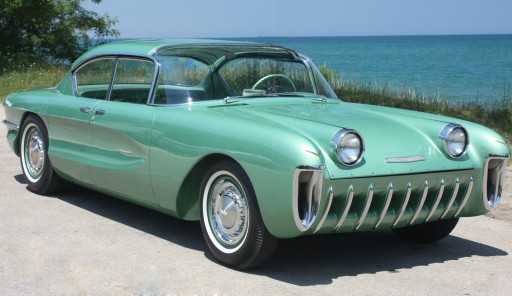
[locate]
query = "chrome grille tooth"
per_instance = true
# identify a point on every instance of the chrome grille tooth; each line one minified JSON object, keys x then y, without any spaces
{"x":404,"y":205}
{"x":389,"y":196}
{"x":369,"y":198}
{"x":422,"y":202}
{"x":452,"y":199}
{"x":438,"y":199}
{"x":329,"y":202}
{"x":466,"y":196}
{"x":350,"y":196}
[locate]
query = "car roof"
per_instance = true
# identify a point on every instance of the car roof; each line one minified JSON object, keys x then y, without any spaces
{"x":207,"y":50}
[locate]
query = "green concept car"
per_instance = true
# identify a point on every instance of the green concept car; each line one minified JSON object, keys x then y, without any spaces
{"x":250,"y":140}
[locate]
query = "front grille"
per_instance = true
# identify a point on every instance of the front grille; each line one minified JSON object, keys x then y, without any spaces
{"x":396,"y":201}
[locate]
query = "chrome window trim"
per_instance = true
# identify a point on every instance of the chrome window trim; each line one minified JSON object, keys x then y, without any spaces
{"x":118,"y":56}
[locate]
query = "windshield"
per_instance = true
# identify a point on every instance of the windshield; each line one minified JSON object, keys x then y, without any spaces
{"x":253,"y":76}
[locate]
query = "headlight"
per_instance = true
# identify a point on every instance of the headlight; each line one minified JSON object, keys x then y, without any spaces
{"x":455,"y":140}
{"x":349,"y":147}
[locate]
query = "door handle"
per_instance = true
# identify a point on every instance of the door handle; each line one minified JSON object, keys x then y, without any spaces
{"x":85,"y":109}
{"x":99,"y":112}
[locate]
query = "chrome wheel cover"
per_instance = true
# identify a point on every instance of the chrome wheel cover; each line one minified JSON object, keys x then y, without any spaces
{"x":33,"y":152}
{"x":226,"y":211}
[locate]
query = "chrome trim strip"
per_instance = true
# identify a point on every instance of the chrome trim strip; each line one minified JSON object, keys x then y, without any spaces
{"x":452,"y":199}
{"x":350,"y":196}
{"x":422,"y":202}
{"x":438,"y":199}
{"x":466,"y":197}
{"x":405,"y":159}
{"x":389,"y":197}
{"x":404,"y":205}
{"x":329,"y":203}
{"x":369,"y":197}
{"x":11,"y":125}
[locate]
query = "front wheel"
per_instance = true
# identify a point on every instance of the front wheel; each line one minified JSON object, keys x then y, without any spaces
{"x":36,"y":166}
{"x":230,"y":218}
{"x":428,"y":232}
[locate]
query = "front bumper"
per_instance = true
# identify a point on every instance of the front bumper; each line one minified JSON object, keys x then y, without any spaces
{"x":361,"y":204}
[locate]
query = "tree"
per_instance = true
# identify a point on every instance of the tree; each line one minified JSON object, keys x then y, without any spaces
{"x":50,"y":30}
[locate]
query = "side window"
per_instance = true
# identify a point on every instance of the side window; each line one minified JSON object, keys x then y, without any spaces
{"x":93,"y":79}
{"x":133,"y":80}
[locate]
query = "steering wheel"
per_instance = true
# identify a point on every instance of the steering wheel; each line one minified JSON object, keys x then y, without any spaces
{"x":255,"y":86}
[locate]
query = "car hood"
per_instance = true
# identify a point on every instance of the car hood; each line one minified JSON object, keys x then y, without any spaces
{"x":396,"y":141}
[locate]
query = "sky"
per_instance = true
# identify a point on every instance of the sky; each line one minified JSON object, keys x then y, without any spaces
{"x":265,"y":18}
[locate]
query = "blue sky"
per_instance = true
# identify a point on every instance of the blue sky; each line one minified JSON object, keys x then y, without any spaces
{"x":240,"y":18}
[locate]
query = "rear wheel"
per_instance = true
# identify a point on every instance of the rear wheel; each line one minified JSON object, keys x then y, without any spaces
{"x":428,"y":232}
{"x":230,"y":218}
{"x":36,"y":166}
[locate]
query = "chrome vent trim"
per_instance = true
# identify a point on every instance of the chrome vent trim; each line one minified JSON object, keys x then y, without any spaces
{"x":493,"y":179}
{"x":369,"y":198}
{"x":307,"y":194}
{"x":329,"y":203}
{"x":405,"y":204}
{"x":389,"y":197}
{"x":452,"y":199}
{"x":466,"y":197}
{"x":422,"y":202}
{"x":350,"y":197}
{"x":438,"y":199}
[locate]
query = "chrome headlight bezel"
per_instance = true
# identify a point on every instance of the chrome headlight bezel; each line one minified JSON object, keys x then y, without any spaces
{"x":348,"y":147}
{"x":456,"y":140}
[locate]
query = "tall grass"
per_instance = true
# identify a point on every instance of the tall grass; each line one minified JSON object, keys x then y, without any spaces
{"x":30,"y":77}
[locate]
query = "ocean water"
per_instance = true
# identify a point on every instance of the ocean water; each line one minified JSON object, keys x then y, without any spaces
{"x":458,"y":68}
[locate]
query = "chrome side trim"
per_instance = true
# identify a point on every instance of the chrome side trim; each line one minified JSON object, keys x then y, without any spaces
{"x":329,"y":203}
{"x":350,"y":197}
{"x":369,"y":197}
{"x":438,"y":199}
{"x":406,"y":202}
{"x":389,"y":196}
{"x":422,"y":202}
{"x":452,"y":199}
{"x":11,"y":125}
{"x":466,"y":197}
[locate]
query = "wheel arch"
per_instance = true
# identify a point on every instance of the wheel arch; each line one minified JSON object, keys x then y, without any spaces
{"x":16,"y":146}
{"x":187,"y":202}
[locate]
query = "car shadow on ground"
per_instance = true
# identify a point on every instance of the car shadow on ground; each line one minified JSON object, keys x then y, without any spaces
{"x":303,"y":261}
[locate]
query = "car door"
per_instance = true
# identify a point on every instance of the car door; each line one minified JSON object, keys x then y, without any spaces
{"x":121,"y":129}
{"x":69,"y":116}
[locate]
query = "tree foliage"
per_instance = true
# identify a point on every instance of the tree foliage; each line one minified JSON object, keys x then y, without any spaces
{"x":49,"y":30}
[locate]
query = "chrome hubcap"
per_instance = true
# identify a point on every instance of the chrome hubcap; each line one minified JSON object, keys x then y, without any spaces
{"x":34,"y":153}
{"x":228,"y":212}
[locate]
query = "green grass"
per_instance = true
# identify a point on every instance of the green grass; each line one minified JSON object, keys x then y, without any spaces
{"x":30,"y":77}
